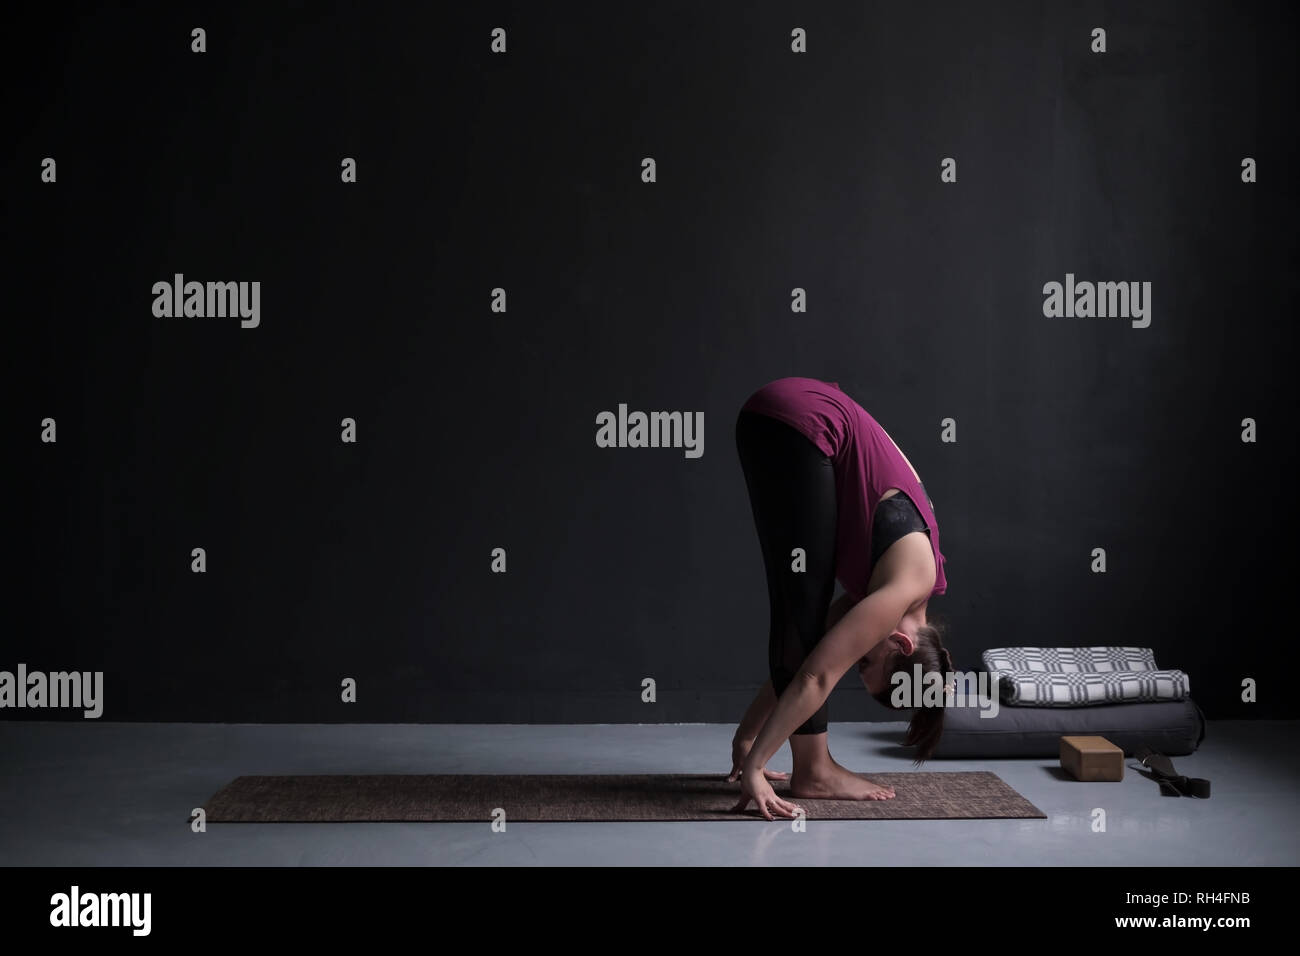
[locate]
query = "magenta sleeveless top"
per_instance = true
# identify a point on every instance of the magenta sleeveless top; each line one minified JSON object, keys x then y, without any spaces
{"x":866,"y":464}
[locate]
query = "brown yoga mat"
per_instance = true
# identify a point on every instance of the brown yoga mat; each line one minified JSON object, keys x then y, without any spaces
{"x":473,"y":798}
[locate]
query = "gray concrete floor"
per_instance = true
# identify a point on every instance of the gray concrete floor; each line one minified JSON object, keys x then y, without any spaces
{"x":117,"y":794}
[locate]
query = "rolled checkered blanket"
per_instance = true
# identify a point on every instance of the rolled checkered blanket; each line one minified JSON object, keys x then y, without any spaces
{"x":1078,"y":676}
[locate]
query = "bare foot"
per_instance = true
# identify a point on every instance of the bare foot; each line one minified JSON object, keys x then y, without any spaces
{"x":837,"y":783}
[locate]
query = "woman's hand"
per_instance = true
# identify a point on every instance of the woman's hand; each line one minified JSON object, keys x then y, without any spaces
{"x":739,"y":751}
{"x":755,"y":787}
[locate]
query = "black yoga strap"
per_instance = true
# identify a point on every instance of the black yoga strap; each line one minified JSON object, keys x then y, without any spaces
{"x":1162,"y":768}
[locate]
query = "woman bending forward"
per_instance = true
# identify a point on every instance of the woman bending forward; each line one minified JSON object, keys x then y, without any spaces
{"x":825,"y":478}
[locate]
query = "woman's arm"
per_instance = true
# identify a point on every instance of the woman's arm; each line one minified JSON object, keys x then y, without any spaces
{"x":757,"y":714}
{"x":765,"y":700}
{"x":839,"y":607}
{"x":749,"y":727}
{"x":865,"y":625}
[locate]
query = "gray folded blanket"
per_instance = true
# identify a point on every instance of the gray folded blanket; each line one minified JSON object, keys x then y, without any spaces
{"x":1079,"y":676}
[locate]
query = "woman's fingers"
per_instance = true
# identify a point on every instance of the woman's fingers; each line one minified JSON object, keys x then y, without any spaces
{"x":782,"y":807}
{"x":785,"y":808}
{"x":776,"y":774}
{"x":765,"y":798}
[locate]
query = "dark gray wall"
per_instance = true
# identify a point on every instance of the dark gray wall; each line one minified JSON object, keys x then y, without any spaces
{"x":476,"y":429}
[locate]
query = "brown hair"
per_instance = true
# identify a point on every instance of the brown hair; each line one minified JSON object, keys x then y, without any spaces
{"x":927,"y":722}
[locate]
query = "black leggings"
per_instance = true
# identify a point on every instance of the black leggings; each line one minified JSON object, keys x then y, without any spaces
{"x":792,"y":494}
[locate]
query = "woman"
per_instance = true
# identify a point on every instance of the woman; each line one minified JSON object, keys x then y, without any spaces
{"x":833,"y":497}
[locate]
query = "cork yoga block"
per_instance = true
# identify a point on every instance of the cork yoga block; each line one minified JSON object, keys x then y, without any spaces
{"x":1092,"y":759}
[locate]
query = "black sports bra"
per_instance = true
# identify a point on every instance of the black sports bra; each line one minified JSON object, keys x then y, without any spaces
{"x":895,"y":516}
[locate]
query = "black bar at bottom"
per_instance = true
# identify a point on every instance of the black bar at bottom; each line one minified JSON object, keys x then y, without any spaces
{"x":336,"y":904}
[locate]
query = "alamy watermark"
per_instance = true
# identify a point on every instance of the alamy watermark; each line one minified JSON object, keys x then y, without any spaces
{"x":76,"y":908}
{"x":208,"y":300}
{"x":58,"y":689}
{"x":939,"y":689}
{"x":1124,"y":300}
{"x":651,"y":430}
